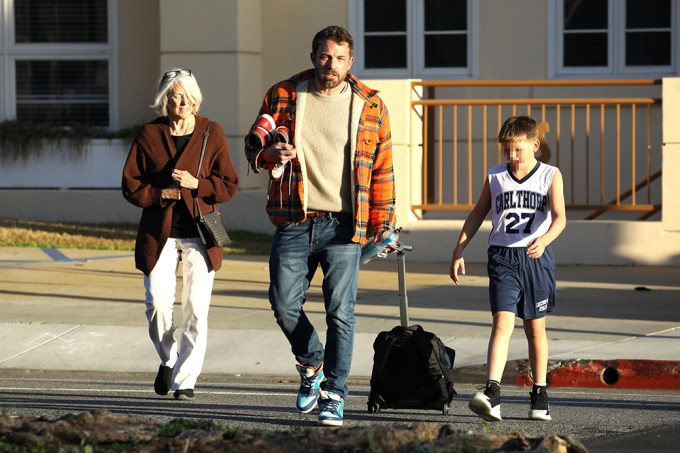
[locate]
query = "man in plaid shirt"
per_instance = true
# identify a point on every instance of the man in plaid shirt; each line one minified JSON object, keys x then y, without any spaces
{"x":331,"y":189}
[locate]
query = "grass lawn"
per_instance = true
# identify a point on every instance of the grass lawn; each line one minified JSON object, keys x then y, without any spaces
{"x":105,"y":236}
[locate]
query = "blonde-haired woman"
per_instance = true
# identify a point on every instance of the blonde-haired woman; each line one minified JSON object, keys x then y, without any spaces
{"x":162,"y":177}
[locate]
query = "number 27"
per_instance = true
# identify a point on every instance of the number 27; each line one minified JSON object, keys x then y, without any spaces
{"x":515,"y":219}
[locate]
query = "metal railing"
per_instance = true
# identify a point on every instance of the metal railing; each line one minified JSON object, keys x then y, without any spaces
{"x":607,"y":145}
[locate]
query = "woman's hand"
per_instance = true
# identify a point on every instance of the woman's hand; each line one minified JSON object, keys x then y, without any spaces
{"x":184,"y":179}
{"x":171,"y":193}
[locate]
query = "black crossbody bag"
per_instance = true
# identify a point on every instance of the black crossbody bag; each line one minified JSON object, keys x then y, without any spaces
{"x":209,"y":225}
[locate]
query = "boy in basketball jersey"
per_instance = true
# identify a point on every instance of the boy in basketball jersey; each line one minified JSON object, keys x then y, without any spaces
{"x":526,"y":201}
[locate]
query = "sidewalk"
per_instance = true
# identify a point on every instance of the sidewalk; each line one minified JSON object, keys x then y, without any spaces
{"x":71,"y":309}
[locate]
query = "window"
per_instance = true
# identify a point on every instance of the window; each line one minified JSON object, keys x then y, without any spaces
{"x":58,"y":62}
{"x":613,"y":37}
{"x":407,"y":38}
{"x":648,"y":33}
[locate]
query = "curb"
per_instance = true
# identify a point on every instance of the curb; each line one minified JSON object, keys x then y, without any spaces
{"x":619,"y":373}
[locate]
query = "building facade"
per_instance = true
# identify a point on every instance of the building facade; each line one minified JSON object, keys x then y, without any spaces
{"x":97,"y":62}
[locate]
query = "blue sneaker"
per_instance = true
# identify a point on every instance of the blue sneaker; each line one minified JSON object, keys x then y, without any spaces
{"x":331,"y":406}
{"x":310,"y":383}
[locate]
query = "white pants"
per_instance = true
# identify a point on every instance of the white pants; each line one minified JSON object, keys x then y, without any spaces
{"x":197,"y":283}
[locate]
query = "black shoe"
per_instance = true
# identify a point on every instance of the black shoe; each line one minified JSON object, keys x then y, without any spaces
{"x":539,"y":409}
{"x":163,"y":380}
{"x":184,"y":394}
{"x":487,"y":404}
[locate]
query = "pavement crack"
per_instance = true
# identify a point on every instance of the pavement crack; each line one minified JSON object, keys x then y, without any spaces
{"x":41,"y":344}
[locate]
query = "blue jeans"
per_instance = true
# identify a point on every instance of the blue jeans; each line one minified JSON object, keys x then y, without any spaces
{"x":297,"y":251}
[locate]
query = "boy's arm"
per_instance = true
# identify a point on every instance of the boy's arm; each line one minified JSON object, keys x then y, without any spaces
{"x":470,"y":227}
{"x":559,"y":218}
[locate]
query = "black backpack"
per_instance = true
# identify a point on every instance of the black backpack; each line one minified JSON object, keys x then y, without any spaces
{"x":412,"y":369}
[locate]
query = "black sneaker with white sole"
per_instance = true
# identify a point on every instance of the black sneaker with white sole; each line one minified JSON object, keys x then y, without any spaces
{"x":539,"y":409}
{"x":487,"y":404}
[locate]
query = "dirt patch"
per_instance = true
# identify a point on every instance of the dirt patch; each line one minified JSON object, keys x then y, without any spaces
{"x":104,"y":431}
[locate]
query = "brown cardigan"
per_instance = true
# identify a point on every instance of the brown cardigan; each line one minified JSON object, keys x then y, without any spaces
{"x":147,"y":171}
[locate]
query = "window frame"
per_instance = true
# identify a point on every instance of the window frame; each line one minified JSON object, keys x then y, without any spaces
{"x":415,"y":39}
{"x":616,"y":49}
{"x":11,"y":52}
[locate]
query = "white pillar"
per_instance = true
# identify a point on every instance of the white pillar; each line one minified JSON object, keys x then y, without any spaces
{"x":670,"y":214}
{"x":397,"y":96}
{"x":221,"y":42}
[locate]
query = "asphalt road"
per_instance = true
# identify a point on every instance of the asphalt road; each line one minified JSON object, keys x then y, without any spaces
{"x":604,"y":421}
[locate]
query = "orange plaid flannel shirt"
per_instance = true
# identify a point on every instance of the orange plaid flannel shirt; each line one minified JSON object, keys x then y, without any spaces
{"x":373,"y":172}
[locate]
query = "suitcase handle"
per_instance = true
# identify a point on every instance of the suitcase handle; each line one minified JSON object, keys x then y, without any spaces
{"x":403,"y":296}
{"x":400,"y":247}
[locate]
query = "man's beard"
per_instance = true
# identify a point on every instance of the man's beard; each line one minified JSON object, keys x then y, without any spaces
{"x":329,"y":83}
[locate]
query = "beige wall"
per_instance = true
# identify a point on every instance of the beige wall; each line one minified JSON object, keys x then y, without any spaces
{"x":246,"y":86}
{"x":203,"y":39}
{"x":671,"y":157}
{"x":287,"y":31}
{"x":512,"y":39}
{"x":221,"y":43}
{"x":138,"y":60}
{"x":395,"y":95}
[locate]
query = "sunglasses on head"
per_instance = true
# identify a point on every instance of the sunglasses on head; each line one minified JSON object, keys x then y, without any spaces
{"x":173,"y":74}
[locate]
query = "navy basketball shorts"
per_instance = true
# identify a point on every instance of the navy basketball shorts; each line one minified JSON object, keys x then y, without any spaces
{"x":519,"y":284}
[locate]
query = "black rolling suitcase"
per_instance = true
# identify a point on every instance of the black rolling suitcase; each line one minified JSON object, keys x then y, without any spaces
{"x":412,"y":369}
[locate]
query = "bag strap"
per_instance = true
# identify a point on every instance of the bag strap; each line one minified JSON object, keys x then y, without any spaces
{"x":200,"y":163}
{"x":205,"y":140}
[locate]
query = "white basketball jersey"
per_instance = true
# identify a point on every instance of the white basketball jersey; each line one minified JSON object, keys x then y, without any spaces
{"x":520,"y":209}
